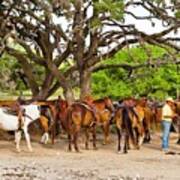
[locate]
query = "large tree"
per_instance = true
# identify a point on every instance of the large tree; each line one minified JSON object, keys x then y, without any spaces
{"x":71,"y":38}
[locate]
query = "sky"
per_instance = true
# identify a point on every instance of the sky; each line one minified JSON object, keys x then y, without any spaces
{"x":145,"y":25}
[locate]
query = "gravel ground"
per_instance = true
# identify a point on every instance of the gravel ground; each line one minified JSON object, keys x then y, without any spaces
{"x":49,"y":162}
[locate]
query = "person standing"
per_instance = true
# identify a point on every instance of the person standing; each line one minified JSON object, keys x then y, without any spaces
{"x":167,"y":116}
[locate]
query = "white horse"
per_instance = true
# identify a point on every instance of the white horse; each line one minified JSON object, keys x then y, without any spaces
{"x":10,"y":122}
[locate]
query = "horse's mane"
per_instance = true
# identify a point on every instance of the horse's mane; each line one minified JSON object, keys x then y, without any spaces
{"x":100,"y":100}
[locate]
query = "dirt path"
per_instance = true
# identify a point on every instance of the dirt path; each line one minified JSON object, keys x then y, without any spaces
{"x":55,"y":163}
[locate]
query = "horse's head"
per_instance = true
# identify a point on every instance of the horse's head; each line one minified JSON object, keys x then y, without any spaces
{"x":176,"y":108}
{"x":129,"y":102}
{"x":142,"y":101}
{"x":88,"y":99}
{"x":62,"y":104}
{"x":109,"y":104}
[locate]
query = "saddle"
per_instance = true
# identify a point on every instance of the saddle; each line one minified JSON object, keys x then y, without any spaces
{"x":15,"y":110}
{"x":10,"y":111}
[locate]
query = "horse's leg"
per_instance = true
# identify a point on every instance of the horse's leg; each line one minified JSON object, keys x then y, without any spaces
{"x":136,"y":135}
{"x":178,"y":141}
{"x":87,"y":138}
{"x":75,"y":138}
{"x":147,"y":136}
{"x":70,"y":141}
{"x":54,"y":123}
{"x":146,"y":125}
{"x":126,"y":142}
{"x":27,"y":137}
{"x":53,"y":131}
{"x":45,"y":138}
{"x":106,"y":132}
{"x":140,"y":132}
{"x":149,"y":130}
{"x":44,"y":123}
{"x":119,"y":139}
{"x":94,"y":137}
{"x":17,"y":140}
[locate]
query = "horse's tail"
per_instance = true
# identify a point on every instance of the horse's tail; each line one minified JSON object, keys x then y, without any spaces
{"x":127,"y":123}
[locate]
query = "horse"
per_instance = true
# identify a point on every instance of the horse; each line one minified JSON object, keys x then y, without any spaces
{"x":176,"y":120}
{"x":126,"y":121}
{"x":81,"y":116}
{"x":74,"y":117}
{"x":145,"y":115}
{"x":14,"y":105}
{"x":48,"y":109}
{"x":103,"y":109}
{"x":10,"y":122}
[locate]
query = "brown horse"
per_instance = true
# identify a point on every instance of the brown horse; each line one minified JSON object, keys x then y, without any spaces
{"x":144,"y":113}
{"x":62,"y":113}
{"x":176,"y":120}
{"x":145,"y":116}
{"x":74,"y":117}
{"x":103,"y":109}
{"x":81,"y":116}
{"x":127,"y":122}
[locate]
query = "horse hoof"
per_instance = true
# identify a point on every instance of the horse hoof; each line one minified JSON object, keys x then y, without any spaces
{"x":18,"y":150}
{"x":95,"y":148}
{"x":138,"y":147}
{"x":69,"y":150}
{"x":30,"y":150}
{"x":78,"y":151}
{"x":103,"y":143}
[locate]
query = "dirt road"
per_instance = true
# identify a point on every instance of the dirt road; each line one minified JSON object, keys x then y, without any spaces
{"x":49,"y":162}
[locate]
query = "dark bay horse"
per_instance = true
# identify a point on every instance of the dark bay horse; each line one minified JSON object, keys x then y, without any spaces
{"x":127,"y":122}
{"x":144,"y":115}
{"x":103,"y":109}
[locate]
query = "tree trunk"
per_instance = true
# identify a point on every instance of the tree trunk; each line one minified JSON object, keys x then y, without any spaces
{"x":68,"y":94}
{"x":85,"y":84}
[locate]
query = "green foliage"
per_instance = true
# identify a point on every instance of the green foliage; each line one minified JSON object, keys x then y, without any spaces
{"x":11,"y":74}
{"x":114,"y":8}
{"x":7,"y":68}
{"x":177,"y":14}
{"x":154,"y":82}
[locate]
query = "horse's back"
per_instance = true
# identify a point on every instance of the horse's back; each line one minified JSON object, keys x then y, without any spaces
{"x":32,"y":111}
{"x":8,"y":122}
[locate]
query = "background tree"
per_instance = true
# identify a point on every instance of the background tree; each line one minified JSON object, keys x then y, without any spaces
{"x":156,"y":82}
{"x":80,"y":34}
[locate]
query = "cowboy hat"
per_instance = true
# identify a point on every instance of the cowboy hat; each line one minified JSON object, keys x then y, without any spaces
{"x":169,"y":99}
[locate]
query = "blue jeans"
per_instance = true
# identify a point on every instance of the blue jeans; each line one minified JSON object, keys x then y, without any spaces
{"x":166,"y":125}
